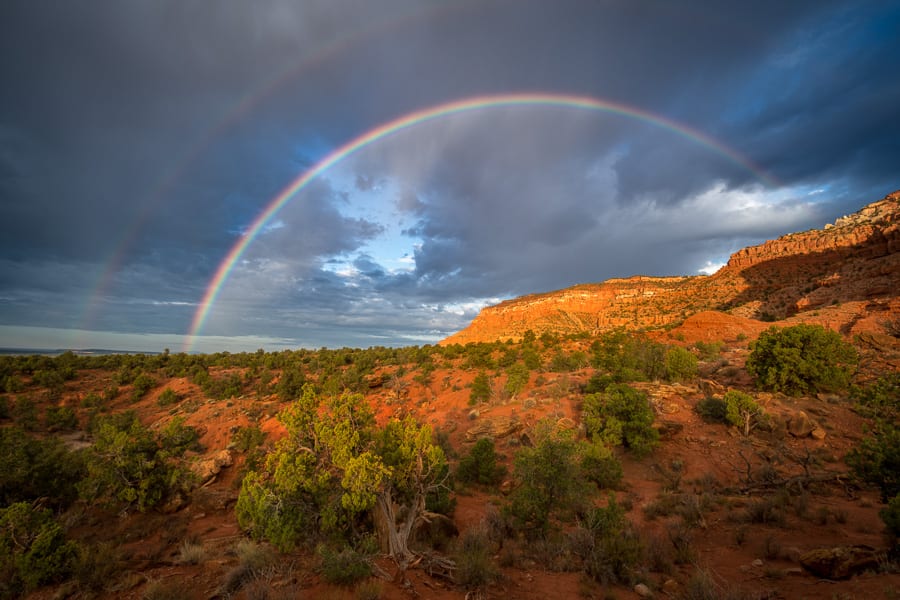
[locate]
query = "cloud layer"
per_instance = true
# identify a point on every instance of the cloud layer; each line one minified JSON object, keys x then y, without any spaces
{"x":139,"y":141}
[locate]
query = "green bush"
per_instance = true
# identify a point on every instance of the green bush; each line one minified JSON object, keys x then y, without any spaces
{"x":881,"y":399}
{"x":709,"y":350}
{"x":25,"y":413}
{"x":601,"y":466}
{"x":343,"y":566}
{"x":621,"y":415}
{"x":712,"y":410}
{"x":481,"y":389}
{"x":32,"y":468}
{"x":550,"y":483}
{"x":128,"y":463}
{"x":516,"y":378}
{"x":877,"y":460}
{"x":742,"y":411}
{"x":167,"y":397}
{"x":33,"y":549}
{"x":803,"y":359}
{"x":246,"y":439}
{"x":61,"y":418}
{"x":142,"y":384}
{"x":681,"y":364}
{"x":474,"y":567}
{"x":609,"y":546}
{"x":891,"y":518}
{"x":480,"y":465}
{"x":176,"y":437}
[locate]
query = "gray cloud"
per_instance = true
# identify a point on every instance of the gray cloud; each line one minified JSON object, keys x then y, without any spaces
{"x":138,"y":141}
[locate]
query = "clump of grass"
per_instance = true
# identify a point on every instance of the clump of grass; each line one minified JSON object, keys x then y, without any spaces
{"x":253,"y":559}
{"x":191,"y":553}
{"x":158,"y":589}
{"x":474,"y":568}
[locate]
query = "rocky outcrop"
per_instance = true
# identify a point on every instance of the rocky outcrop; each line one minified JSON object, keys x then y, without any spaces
{"x":854,"y":259}
{"x":840,"y":562}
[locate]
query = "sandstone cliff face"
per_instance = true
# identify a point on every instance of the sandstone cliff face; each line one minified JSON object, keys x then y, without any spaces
{"x":856,"y":258}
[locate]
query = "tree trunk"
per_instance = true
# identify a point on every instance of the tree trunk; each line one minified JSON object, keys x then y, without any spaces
{"x":397,"y":539}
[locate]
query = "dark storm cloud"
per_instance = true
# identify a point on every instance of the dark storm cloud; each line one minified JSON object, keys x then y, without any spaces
{"x":139,"y":141}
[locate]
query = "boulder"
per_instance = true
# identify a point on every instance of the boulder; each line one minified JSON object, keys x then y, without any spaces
{"x":840,"y":562}
{"x":801,"y":425}
{"x":494,"y":428}
{"x":643,"y":591}
{"x":818,"y":433}
{"x":207,"y":468}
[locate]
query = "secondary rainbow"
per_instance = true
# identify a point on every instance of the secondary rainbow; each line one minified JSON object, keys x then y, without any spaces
{"x":430,"y":114}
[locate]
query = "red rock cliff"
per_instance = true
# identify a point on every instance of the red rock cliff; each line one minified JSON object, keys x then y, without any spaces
{"x":856,"y":258}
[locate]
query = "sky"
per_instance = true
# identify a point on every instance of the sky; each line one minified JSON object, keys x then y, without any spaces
{"x":238,"y":175}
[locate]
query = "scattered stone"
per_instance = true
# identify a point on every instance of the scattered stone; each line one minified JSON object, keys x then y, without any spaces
{"x":801,"y":425}
{"x":473,"y":414}
{"x":643,"y":591}
{"x":818,"y":433}
{"x":711,"y":388}
{"x":792,"y":571}
{"x":840,"y":562}
{"x":758,"y":563}
{"x":565,"y":424}
{"x":793,"y":554}
{"x":669,"y":429}
{"x":670,"y":586}
{"x":494,"y":428}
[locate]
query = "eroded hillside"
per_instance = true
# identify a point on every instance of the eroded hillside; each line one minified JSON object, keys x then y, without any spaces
{"x":856,"y":259}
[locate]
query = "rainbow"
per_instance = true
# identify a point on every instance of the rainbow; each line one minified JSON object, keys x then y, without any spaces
{"x":429,"y":114}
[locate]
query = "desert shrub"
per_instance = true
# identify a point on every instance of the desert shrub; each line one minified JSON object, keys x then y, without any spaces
{"x":891,"y":518}
{"x":25,"y":413}
{"x":877,"y":459}
{"x":612,"y":549}
{"x":61,"y":418}
{"x":621,"y":415}
{"x":531,"y":358}
{"x":709,"y":350}
{"x":550,"y":482}
{"x":803,"y":359}
{"x":601,"y":466}
{"x":516,"y":378}
{"x":742,"y":411}
{"x":33,"y":549}
{"x":290,"y":384}
{"x":141,"y":384}
{"x":681,"y":365}
{"x":12,"y":384}
{"x":32,"y":468}
{"x":343,"y":566}
{"x":96,"y":566}
{"x":480,"y":465}
{"x":127,"y":463}
{"x":881,"y":399}
{"x":481,"y":389}
{"x":474,"y":566}
{"x":176,"y":437}
{"x":167,"y":397}
{"x":712,"y":410}
{"x":246,"y":439}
